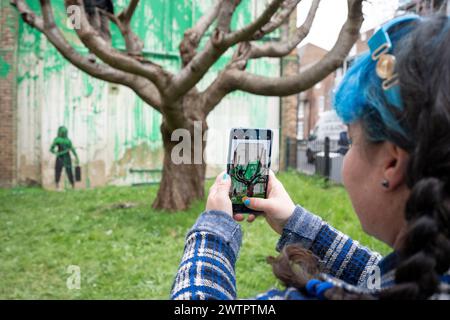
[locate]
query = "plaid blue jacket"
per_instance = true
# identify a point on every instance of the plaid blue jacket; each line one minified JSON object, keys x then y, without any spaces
{"x":207,"y":268}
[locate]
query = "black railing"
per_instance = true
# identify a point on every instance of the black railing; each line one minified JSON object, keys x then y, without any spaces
{"x":322,"y":157}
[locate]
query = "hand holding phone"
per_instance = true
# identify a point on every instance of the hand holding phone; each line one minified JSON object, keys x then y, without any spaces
{"x":277,"y":208}
{"x":218,"y":198}
{"x":249,"y":159}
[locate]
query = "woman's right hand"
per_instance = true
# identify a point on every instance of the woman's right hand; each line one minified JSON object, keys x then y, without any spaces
{"x":277,"y":208}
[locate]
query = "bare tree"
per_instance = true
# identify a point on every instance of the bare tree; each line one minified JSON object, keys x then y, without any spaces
{"x":176,"y":96}
{"x":241,"y":173}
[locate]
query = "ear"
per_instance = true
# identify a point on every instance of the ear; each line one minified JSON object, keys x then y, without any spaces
{"x":395,"y":163}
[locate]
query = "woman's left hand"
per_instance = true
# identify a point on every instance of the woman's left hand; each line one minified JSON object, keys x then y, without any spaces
{"x":218,"y":198}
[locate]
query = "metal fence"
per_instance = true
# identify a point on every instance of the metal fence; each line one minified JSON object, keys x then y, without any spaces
{"x":321,"y":157}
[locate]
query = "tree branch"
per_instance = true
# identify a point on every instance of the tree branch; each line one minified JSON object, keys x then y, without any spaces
{"x":216,"y":91}
{"x":46,"y":25}
{"x":284,"y":47}
{"x":207,"y":19}
{"x":278,"y":19}
{"x":215,"y":47}
{"x":134,"y":45}
{"x":126,"y":15}
{"x":28,"y":15}
{"x":192,"y":36}
{"x":245,"y":51}
{"x":253,"y":30}
{"x":227,"y":9}
{"x":102,"y":49}
{"x":266,"y":86}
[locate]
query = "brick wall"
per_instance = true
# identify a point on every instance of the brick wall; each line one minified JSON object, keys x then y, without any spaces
{"x":289,"y":109}
{"x":8,"y":47}
{"x":289,"y":105}
{"x":318,"y":98}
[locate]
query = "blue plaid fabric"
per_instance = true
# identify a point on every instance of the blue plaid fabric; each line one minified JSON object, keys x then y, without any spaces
{"x":207,"y":268}
{"x":339,"y":256}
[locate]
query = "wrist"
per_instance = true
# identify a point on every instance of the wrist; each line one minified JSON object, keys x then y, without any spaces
{"x":290,"y":211}
{"x":281,"y":223}
{"x":302,"y":227}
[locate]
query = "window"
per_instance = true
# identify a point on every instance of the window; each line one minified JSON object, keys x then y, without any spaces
{"x":321,"y":104}
{"x":300,"y":126}
{"x":363,"y":36}
{"x":301,"y":109}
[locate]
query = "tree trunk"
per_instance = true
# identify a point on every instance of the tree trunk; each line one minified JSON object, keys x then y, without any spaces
{"x":250,"y":189}
{"x":180,"y":185}
{"x":183,"y":183}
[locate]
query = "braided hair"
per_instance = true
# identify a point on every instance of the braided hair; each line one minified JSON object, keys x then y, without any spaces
{"x":424,"y":72}
{"x":422,"y":128}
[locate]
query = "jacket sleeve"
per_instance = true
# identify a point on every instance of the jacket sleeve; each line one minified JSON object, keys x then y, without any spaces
{"x":207,"y":268}
{"x":339,"y":256}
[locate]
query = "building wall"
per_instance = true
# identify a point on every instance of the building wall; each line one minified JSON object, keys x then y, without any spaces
{"x":8,"y":40}
{"x":289,"y":104}
{"x":112,"y":129}
{"x":289,"y":111}
{"x":318,"y":98}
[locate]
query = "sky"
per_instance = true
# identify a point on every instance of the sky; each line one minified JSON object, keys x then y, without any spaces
{"x":332,"y":14}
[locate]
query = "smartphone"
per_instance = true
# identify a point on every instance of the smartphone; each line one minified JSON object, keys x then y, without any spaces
{"x":249,"y":158}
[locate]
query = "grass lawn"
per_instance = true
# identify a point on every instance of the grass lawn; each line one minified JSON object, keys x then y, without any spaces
{"x":132,"y":253}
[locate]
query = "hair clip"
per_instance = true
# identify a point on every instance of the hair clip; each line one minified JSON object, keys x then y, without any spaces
{"x":386,"y":70}
{"x":380,"y":45}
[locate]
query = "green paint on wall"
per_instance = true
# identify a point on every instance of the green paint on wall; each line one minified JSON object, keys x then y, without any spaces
{"x":156,"y":133}
{"x":47,"y":78}
{"x":5,"y":67}
{"x":139,"y":131}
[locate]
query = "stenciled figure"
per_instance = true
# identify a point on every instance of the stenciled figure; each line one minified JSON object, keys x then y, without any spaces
{"x":61,"y":147}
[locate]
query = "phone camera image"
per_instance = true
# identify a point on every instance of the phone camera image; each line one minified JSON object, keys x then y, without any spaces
{"x":249,"y":164}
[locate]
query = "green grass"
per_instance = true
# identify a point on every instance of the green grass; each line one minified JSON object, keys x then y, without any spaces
{"x":132,"y":253}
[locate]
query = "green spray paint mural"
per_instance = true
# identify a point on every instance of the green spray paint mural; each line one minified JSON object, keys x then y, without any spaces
{"x":6,"y":26}
{"x":5,"y":67}
{"x":116,"y":134}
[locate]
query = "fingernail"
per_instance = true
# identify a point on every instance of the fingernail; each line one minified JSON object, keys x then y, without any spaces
{"x":225,"y":176}
{"x":247,"y":201}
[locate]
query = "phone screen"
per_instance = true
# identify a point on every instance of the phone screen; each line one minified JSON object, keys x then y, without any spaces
{"x":249,"y":160}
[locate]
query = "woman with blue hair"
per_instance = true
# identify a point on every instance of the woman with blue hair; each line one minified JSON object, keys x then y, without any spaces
{"x":396,"y":103}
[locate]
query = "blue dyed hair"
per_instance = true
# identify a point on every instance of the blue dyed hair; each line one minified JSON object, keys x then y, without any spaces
{"x":360,"y":95}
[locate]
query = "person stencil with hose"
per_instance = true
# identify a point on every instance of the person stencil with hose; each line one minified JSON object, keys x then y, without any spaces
{"x":61,"y":147}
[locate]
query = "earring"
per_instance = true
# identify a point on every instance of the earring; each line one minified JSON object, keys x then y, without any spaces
{"x":385,"y":184}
